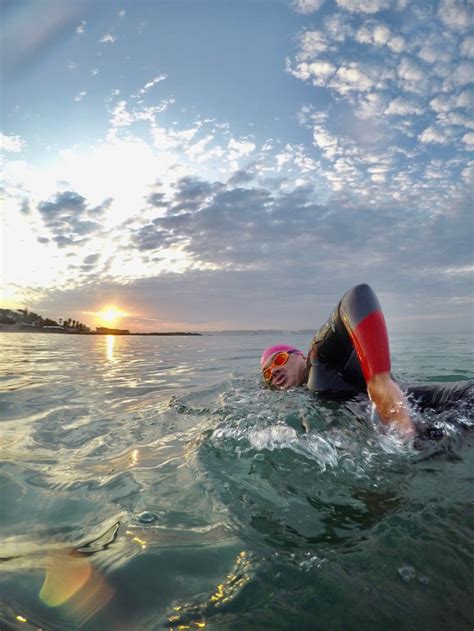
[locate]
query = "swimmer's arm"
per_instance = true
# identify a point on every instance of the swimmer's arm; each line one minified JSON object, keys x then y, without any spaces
{"x":391,"y":403}
{"x":312,"y":357}
{"x":311,"y":366}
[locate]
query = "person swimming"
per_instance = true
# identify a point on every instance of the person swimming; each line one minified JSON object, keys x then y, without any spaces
{"x":348,"y":355}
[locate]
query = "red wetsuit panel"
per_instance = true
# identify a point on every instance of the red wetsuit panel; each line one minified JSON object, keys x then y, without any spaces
{"x":370,"y":340}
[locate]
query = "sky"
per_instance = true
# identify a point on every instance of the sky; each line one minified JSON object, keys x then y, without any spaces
{"x":238,"y":164}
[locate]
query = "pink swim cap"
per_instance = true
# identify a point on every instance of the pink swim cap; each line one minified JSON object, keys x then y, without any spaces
{"x":271,"y":350}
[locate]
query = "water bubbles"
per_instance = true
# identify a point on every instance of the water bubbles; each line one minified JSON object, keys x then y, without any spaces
{"x":147,"y":517}
{"x":407,"y":573}
{"x":313,"y":561}
{"x":271,"y":438}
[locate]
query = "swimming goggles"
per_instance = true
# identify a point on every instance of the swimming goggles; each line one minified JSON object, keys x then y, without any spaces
{"x":280,"y":359}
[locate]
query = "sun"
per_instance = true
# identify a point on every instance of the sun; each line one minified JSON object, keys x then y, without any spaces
{"x":110,"y":315}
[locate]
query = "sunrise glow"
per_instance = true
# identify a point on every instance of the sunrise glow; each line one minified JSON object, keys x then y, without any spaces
{"x":110,"y":315}
{"x":159,"y":179}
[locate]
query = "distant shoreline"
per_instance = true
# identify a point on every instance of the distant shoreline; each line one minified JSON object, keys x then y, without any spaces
{"x":4,"y":329}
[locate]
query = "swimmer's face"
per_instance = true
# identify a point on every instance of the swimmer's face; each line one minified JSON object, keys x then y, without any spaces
{"x":292,"y":373}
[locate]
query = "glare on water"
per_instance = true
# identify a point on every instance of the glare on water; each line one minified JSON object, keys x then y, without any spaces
{"x":152,"y":481}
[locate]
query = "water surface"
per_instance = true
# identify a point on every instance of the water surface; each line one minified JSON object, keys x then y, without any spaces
{"x":151,"y":482}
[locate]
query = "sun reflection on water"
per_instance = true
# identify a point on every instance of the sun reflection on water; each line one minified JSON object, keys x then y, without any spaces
{"x":133,"y":458}
{"x":109,"y":348}
{"x":195,"y":616}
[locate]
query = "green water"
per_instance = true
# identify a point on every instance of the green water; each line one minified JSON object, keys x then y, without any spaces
{"x":196,"y":500}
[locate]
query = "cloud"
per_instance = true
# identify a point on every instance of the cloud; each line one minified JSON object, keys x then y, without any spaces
{"x":351,"y":79}
{"x":455,"y":119}
{"x":465,"y":99}
{"x":149,"y":85}
{"x":81,"y":28}
{"x":434,"y":135}
{"x":401,"y":106}
{"x":412,"y":76}
{"x":441,"y":103}
{"x":12,"y":144}
{"x":326,"y":141}
{"x":467,"y":47}
{"x":456,"y":14}
{"x":222,"y":227}
{"x":376,"y":34}
{"x":381,"y":90}
{"x":371,"y":105}
{"x":101,"y":208}
{"x":25,"y":207}
{"x":312,"y":43}
{"x":364,"y":6}
{"x":468,"y":173}
{"x":92,"y":258}
{"x":235,"y":228}
{"x":431,"y":53}
{"x":463,"y":74}
{"x":122,"y":115}
{"x":445,"y":103}
{"x":238,"y":149}
{"x":89,"y":263}
{"x":221,"y":235}
{"x":108,"y":38}
{"x":318,"y":72}
{"x":241,"y":177}
{"x":397,"y":43}
{"x":68,"y":218}
{"x":468,"y":140}
{"x":307,"y":6}
{"x":338,"y":27}
{"x":156,"y":200}
{"x":366,"y":200}
{"x":229,"y":235}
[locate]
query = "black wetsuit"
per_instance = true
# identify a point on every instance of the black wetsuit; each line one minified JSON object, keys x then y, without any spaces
{"x":352,"y":346}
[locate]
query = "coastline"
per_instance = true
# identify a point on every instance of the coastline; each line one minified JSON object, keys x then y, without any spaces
{"x":18,"y":329}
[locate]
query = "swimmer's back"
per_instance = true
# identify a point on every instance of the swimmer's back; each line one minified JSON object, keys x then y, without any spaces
{"x":440,"y":396}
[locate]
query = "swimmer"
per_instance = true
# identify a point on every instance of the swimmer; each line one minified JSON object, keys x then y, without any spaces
{"x":348,"y":354}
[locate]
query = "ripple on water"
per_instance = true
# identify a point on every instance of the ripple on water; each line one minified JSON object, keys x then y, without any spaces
{"x":193,"y":477}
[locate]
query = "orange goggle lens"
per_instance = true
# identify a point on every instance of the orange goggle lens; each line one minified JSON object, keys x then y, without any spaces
{"x":279,"y":360}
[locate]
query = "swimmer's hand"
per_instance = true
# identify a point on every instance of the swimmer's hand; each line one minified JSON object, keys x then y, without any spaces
{"x":391,"y":404}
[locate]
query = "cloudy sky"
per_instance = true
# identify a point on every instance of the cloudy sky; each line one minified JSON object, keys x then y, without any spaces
{"x":238,"y":164}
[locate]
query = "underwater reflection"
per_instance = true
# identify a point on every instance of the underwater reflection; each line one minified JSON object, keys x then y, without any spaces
{"x":109,"y":348}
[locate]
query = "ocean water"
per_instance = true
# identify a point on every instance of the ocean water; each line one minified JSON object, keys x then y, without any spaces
{"x":152,"y":483}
